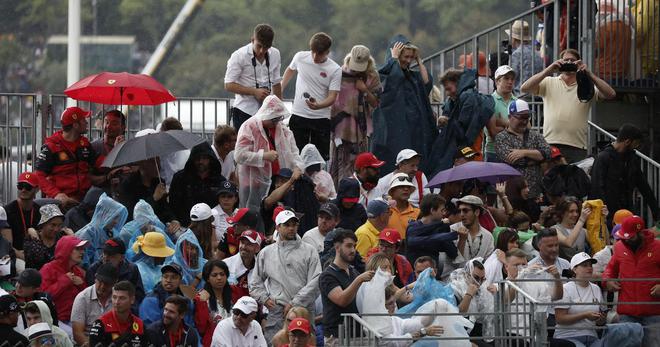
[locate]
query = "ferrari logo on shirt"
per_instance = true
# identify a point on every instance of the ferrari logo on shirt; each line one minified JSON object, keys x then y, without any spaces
{"x":111,"y":81}
{"x":136,"y":327}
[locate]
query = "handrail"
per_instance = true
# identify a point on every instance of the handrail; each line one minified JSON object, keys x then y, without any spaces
{"x":488,"y":30}
{"x":639,"y":154}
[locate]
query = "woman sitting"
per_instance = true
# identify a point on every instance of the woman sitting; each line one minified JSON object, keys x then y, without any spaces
{"x":213,"y":303}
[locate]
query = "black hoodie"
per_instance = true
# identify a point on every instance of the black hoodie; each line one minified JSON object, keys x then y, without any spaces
{"x":188,"y":189}
{"x":351,"y":218}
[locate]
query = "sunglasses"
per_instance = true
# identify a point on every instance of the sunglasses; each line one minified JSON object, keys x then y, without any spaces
{"x":404,"y":179}
{"x":277,"y":119}
{"x":478,"y":279}
{"x":240,"y":313}
{"x":24,"y":186}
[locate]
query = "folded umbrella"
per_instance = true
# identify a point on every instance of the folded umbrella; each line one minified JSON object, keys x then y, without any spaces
{"x":487,"y":172}
{"x":120,"y":88}
{"x":150,"y":146}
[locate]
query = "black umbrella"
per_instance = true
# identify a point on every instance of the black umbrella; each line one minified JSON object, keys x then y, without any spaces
{"x":150,"y":146}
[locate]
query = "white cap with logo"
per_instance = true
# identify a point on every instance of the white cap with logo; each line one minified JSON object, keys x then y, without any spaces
{"x":581,"y":258}
{"x":503,"y":70}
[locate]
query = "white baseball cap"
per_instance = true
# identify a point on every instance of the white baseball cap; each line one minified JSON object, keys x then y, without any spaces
{"x":406,"y":154}
{"x":503,"y":70}
{"x":518,"y":106}
{"x":581,"y":258}
{"x":246,"y":304}
{"x":284,"y":217}
{"x":401,"y":180}
{"x":200,"y":212}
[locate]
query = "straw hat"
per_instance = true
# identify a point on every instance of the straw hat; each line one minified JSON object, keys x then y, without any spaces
{"x":519,"y":31}
{"x":153,"y":244}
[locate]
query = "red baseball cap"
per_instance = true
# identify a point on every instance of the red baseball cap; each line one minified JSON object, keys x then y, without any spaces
{"x":72,"y":115}
{"x":367,"y":159}
{"x":630,"y":227}
{"x":252,"y":236}
{"x":554,"y":152}
{"x":277,"y":211}
{"x":390,"y":235}
{"x":244,"y":216}
{"x":300,"y":324}
{"x":29,"y":178}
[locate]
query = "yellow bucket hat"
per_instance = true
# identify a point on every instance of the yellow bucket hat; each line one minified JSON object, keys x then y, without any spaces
{"x":152,"y":244}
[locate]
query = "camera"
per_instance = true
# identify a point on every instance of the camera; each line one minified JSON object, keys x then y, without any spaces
{"x":568,"y":67}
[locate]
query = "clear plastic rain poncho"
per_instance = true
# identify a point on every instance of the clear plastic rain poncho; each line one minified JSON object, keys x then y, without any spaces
{"x":251,"y":144}
{"x":426,"y":289}
{"x":370,"y":299}
{"x":149,"y":270}
{"x":455,"y":326}
{"x":483,"y":301}
{"x":108,"y":219}
{"x":143,"y":214}
{"x":189,"y":255}
{"x":325,"y":186}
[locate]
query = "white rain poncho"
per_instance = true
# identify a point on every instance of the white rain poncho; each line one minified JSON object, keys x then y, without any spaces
{"x":370,"y":299}
{"x":108,"y":219}
{"x":324,"y":184}
{"x":454,"y":325}
{"x":483,"y":301}
{"x":252,"y":142}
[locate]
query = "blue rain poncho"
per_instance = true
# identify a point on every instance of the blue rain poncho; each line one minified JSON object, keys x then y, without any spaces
{"x":189,"y":255}
{"x":149,"y":271}
{"x":108,"y":219}
{"x":143,"y":214}
{"x":426,"y":289}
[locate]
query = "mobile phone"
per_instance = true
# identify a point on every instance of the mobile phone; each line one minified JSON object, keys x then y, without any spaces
{"x":568,"y":67}
{"x":308,"y":97}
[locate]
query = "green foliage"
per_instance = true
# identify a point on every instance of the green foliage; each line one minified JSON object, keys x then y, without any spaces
{"x":196,"y":66}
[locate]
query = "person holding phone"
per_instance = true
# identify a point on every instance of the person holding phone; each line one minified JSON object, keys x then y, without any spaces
{"x":565,"y":116}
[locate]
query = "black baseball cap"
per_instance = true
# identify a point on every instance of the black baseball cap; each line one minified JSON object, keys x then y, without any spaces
{"x":114,"y":246}
{"x":227,"y":187}
{"x":107,"y":273}
{"x":30,"y":278}
{"x":172,"y":267}
{"x":330,"y":209}
{"x":8,"y":303}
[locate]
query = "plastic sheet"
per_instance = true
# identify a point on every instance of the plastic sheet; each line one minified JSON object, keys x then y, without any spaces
{"x":483,"y":301}
{"x":371,"y":299}
{"x":108,"y":214}
{"x":426,"y":289}
{"x":454,"y":326}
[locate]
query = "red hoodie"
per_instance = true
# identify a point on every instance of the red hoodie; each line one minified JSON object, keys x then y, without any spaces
{"x":645,"y":263}
{"x":55,"y":280}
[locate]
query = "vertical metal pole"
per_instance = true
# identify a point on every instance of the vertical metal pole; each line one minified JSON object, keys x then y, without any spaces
{"x":73,"y":46}
{"x":556,"y":31}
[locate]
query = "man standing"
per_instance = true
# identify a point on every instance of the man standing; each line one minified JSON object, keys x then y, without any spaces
{"x":286,"y":274}
{"x":197,"y":182}
{"x":172,"y":331}
{"x":253,"y":73}
{"x":9,"y":310}
{"x":328,"y":218}
{"x":114,"y":252}
{"x":378,"y":215}
{"x":23,"y":213}
{"x":93,"y":302}
{"x":242,"y":263}
{"x":473,"y":239}
{"x":66,"y":159}
{"x":524,"y":59}
{"x":339,"y":285}
{"x":119,"y":327}
{"x":503,"y":96}
{"x":636,"y":256}
{"x":407,"y":162}
{"x":401,"y":214}
{"x":317,"y":86}
{"x":616,"y":173}
{"x":241,"y":330}
{"x":367,"y":174}
{"x":565,"y":116}
{"x":523,"y":148}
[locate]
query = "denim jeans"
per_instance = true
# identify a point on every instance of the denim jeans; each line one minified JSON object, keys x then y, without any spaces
{"x":651,"y":327}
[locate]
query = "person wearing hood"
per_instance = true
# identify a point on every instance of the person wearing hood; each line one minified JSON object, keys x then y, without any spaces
{"x":144,"y":220}
{"x":37,"y":312}
{"x":63,"y":278}
{"x":314,"y":168}
{"x":107,"y":221}
{"x":291,"y":269}
{"x":264,"y":146}
{"x":404,"y":118}
{"x":41,"y":250}
{"x":199,"y":181}
{"x":189,"y":256}
{"x":352,"y":213}
{"x":151,"y":308}
{"x":429,"y":234}
{"x":80,"y":215}
{"x":151,"y":251}
{"x":27,"y":289}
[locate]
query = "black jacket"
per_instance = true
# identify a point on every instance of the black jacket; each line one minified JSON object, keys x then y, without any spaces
{"x":131,"y":190}
{"x":127,"y":272}
{"x":187,"y":189}
{"x":11,"y":338}
{"x":429,"y":239}
{"x":615,"y":176}
{"x":159,"y":337}
{"x":350,"y":218}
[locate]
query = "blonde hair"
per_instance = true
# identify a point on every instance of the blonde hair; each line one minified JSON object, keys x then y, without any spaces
{"x":376,"y":260}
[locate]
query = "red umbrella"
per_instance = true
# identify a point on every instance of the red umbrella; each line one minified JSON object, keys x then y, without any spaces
{"x":120,"y":88}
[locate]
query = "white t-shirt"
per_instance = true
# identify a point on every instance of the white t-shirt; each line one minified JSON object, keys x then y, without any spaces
{"x":383,"y":188}
{"x":240,"y":70}
{"x":575,"y":293}
{"x":220,"y":222}
{"x":228,"y":165}
{"x":226,"y":334}
{"x":314,"y":238}
{"x":315,"y":79}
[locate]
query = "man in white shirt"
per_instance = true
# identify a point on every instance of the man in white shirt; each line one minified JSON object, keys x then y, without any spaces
{"x":241,"y":329}
{"x":224,"y":141}
{"x":328,"y":218}
{"x":407,"y":161}
{"x":253,"y":73}
{"x":317,"y":86}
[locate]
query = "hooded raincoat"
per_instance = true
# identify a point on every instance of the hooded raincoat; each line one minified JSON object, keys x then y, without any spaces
{"x":56,"y":282}
{"x":254,"y":171}
{"x":404,"y":118}
{"x":350,"y":218}
{"x":143,"y":214}
{"x":62,"y":338}
{"x":325,"y":186}
{"x":108,"y":219}
{"x":188,"y":189}
{"x":191,"y":259}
